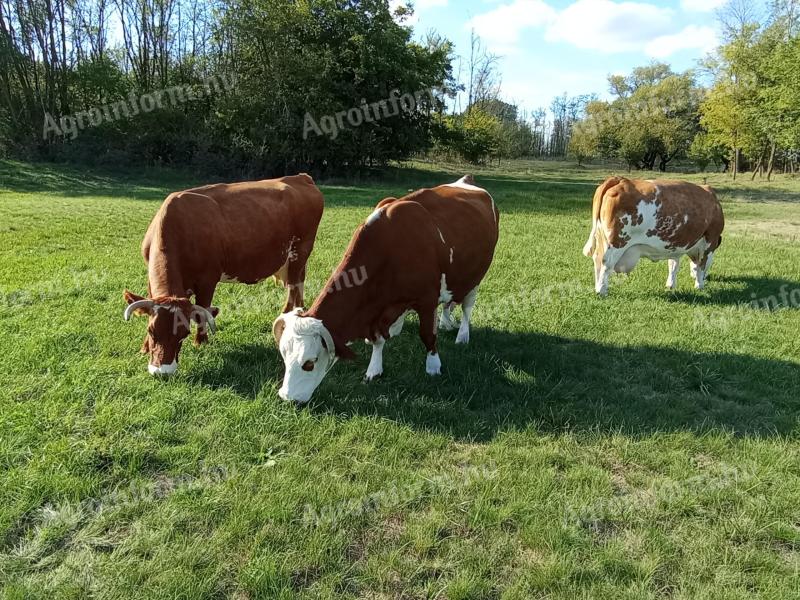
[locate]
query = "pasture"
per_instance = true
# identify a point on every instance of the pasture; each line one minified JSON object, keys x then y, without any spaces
{"x":639,"y":446}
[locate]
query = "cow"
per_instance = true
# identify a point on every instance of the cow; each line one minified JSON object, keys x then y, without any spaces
{"x":655,"y":219}
{"x":239,"y":233}
{"x":429,"y":248}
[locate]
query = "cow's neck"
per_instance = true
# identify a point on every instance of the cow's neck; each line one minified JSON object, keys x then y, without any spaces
{"x":349,"y":313}
{"x":164,"y":275}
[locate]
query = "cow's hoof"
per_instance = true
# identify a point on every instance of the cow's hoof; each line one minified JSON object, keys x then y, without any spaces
{"x":370,"y":375}
{"x":433,"y":366}
{"x":462,"y":337}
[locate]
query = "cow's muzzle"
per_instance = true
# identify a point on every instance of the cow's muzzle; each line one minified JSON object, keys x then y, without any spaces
{"x":163,"y":370}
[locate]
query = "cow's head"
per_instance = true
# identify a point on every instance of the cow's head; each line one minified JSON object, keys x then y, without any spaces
{"x":169,"y":323}
{"x":308,"y":352}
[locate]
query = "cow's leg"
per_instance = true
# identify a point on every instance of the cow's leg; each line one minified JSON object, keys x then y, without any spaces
{"x":375,"y":367}
{"x":296,"y":274}
{"x":447,"y":323}
{"x":428,"y":315}
{"x":674,"y":267}
{"x":700,"y":269}
{"x":610,"y":258}
{"x":204,"y":294}
{"x":598,"y":263}
{"x":466,"y":307}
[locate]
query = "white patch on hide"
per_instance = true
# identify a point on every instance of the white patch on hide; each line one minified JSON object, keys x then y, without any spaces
{"x":376,"y":214}
{"x":445,"y":295}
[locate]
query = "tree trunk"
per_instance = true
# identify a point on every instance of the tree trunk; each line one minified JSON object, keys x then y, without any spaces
{"x":771,"y":164}
{"x":757,"y":168}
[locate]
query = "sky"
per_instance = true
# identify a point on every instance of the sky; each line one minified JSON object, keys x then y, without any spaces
{"x":550,"y":47}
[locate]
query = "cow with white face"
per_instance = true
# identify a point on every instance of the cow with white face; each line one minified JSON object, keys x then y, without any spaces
{"x":429,"y":248}
{"x":654,"y":219}
{"x":237,"y":233}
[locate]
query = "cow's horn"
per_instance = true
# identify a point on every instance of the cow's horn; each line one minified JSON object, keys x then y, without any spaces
{"x":210,"y":321}
{"x":278,"y":327}
{"x":134,"y":306}
{"x":328,"y":339}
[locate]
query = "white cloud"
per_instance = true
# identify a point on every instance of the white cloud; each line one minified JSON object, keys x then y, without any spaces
{"x":600,"y":25}
{"x":608,"y":26}
{"x":502,"y":27}
{"x":692,"y":37}
{"x":702,"y":5}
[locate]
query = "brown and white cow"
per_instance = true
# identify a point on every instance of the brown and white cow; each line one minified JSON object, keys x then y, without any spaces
{"x":659,"y":220}
{"x":238,"y":232}
{"x":431,"y":247}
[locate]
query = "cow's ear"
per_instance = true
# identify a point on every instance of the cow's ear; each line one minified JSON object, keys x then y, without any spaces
{"x":137,"y":305}
{"x":199,"y":316}
{"x":130,"y":297}
{"x":278,"y":328}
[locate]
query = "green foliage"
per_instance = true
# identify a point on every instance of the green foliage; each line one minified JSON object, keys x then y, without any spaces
{"x":289,"y":61}
{"x":753,"y":108}
{"x":511,"y":136}
{"x":584,"y":143}
{"x":704,"y":151}
{"x":652,"y":120}
{"x":474,"y":136}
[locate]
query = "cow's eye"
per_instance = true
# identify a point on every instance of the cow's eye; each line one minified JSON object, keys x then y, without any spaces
{"x":309,"y":365}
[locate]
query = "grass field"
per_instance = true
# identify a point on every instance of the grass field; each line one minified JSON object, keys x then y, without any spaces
{"x":639,"y":446}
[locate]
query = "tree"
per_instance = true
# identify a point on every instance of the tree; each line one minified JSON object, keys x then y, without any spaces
{"x":483,"y":75}
{"x":652,"y":120}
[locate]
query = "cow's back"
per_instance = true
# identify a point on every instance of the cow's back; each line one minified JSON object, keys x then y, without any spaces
{"x":287,"y":207}
{"x":244,"y":230}
{"x":467,"y":224}
{"x":668,"y":214}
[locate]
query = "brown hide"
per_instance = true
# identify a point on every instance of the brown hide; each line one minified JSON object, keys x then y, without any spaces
{"x":245,"y":231}
{"x":695,"y":208}
{"x":402,"y":250}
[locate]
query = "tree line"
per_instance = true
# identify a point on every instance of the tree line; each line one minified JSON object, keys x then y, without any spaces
{"x":63,"y":61}
{"x":748,"y":118}
{"x":267,"y":86}
{"x":276,"y":86}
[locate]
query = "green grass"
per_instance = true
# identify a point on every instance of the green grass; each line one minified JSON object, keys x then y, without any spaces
{"x":639,"y":446}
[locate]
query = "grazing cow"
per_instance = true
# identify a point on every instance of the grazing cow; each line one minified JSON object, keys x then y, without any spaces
{"x":659,"y":220}
{"x":239,"y":232}
{"x":431,"y":247}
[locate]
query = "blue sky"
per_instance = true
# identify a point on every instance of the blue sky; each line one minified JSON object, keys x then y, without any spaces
{"x":556,"y":46}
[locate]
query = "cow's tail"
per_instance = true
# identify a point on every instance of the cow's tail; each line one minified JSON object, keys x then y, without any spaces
{"x":282,"y":275}
{"x":597,"y":203}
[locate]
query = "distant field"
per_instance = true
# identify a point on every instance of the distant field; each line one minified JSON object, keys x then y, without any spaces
{"x":639,"y":446}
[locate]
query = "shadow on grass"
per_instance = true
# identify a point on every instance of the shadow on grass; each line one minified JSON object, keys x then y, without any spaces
{"x":245,"y":369}
{"x":767,"y":292}
{"x":513,"y":193}
{"x":756,"y":194}
{"x":517,"y":193}
{"x":71,"y":182}
{"x":511,"y":381}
